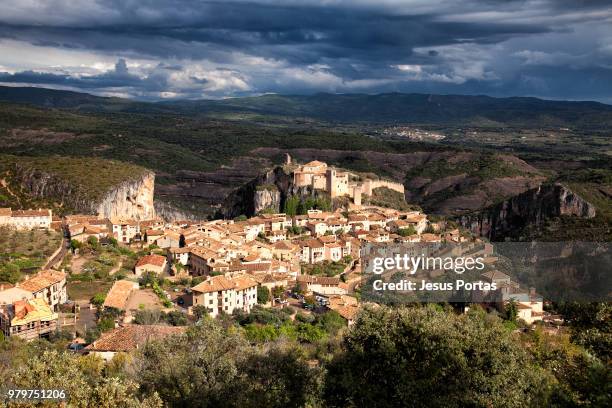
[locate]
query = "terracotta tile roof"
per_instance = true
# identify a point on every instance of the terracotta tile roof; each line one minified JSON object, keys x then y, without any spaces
{"x":153,"y":233}
{"x":31,"y":213}
{"x":153,"y":259}
{"x":321,"y":280}
{"x":376,"y":217}
{"x":128,"y":338}
{"x":313,"y":243}
{"x":495,"y":275}
{"x":325,"y":280}
{"x":252,"y":257}
{"x":120,"y":292}
{"x":6,"y":212}
{"x":203,"y":253}
{"x":244,"y":282}
{"x":348,"y":311}
{"x":257,"y":267}
{"x":214,"y":284}
{"x":284,"y":246}
{"x":415,"y":217}
{"x":42,"y":279}
{"x":183,"y":250}
{"x":430,"y":238}
{"x":28,"y":311}
{"x":326,"y":239}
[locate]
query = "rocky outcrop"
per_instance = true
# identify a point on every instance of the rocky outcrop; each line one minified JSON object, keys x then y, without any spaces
{"x":168,"y":212}
{"x":131,"y":199}
{"x":267,"y":191}
{"x":528,"y":209}
{"x":45,"y":186}
{"x":266,"y":198}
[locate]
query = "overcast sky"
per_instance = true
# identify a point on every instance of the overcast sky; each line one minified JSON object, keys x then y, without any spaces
{"x":155,"y":49}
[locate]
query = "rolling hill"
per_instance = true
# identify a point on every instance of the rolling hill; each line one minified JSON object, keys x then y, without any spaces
{"x":466,"y":110}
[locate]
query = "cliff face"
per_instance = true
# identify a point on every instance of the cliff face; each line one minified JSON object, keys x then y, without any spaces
{"x":267,"y":191}
{"x":46,"y":186}
{"x":131,"y":199}
{"x":266,"y":199}
{"x":168,"y":212}
{"x":528,"y":209}
{"x":251,"y":197}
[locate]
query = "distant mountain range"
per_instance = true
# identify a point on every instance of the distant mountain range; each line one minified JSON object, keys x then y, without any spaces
{"x":397,"y":108}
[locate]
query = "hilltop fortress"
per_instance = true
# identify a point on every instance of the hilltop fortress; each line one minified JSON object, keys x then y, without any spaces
{"x":318,"y":175}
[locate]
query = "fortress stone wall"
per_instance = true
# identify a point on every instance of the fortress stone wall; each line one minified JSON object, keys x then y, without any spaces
{"x":370,"y":185}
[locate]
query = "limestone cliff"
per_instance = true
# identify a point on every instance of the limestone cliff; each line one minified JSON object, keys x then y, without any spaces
{"x":267,"y":191}
{"x":169,"y":212}
{"x":81,"y":185}
{"x":266,"y":198}
{"x":529,"y":209}
{"x":131,"y":199}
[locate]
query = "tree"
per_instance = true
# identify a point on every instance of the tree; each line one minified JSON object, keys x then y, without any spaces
{"x":10,"y":272}
{"x":591,"y":326}
{"x":176,"y":318}
{"x":106,"y":324}
{"x":331,"y":322}
{"x":292,"y":204}
{"x":198,"y":369}
{"x":148,"y":278}
{"x":406,"y":232}
{"x":581,"y":378}
{"x":511,"y":311}
{"x":182,"y":241}
{"x":92,"y":241}
{"x":307,"y":333}
{"x":278,"y":292}
{"x":263,"y":294}
{"x":431,"y":357}
{"x":199,"y":311}
{"x":147,"y":316}
{"x":98,"y":299}
{"x":84,"y":388}
{"x":281,"y":378}
{"x":74,"y":245}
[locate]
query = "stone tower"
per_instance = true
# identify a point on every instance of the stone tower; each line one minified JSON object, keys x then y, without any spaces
{"x":331,"y":182}
{"x":357,"y":194}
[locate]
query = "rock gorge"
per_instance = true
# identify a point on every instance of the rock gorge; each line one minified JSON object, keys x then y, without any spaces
{"x":528,"y":209}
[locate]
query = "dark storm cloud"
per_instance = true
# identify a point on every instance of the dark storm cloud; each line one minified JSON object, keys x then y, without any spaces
{"x":119,"y":77}
{"x":488,"y":46}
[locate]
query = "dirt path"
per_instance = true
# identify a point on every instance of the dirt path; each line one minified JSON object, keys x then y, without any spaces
{"x":76,"y":265}
{"x":116,"y":268}
{"x":5,"y":185}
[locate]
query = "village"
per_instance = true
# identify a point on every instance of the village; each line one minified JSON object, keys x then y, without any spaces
{"x":126,"y":273}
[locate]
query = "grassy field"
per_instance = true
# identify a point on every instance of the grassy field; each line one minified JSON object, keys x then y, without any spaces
{"x":25,"y":251}
{"x":86,"y":290}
